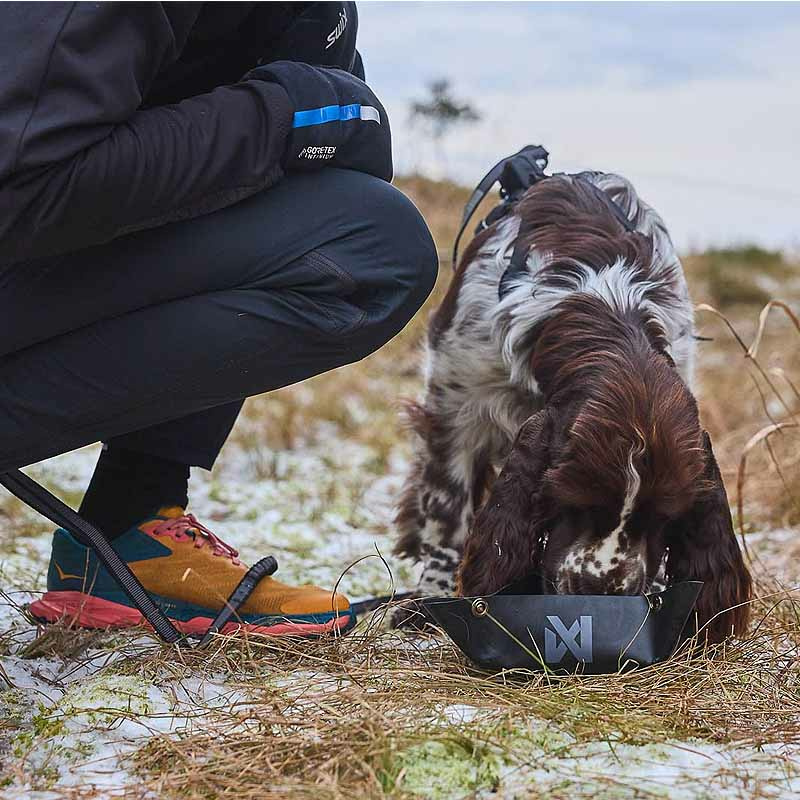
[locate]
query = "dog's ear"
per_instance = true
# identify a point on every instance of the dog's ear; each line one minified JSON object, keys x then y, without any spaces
{"x":703,"y":547}
{"x":501,"y":545}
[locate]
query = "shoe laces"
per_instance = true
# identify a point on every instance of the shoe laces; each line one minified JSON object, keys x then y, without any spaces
{"x":188,"y":525}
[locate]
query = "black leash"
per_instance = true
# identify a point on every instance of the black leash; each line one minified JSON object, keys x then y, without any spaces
{"x":371,"y":603}
{"x":47,"y":504}
{"x":515,"y":174}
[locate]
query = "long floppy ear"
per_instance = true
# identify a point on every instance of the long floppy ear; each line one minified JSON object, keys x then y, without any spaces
{"x":501,"y":545}
{"x":703,"y":547}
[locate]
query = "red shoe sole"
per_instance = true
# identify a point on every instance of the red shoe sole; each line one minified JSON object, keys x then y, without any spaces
{"x":88,"y":611}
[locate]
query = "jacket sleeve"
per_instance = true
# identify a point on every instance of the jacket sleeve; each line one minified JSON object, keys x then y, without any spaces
{"x":82,"y":163}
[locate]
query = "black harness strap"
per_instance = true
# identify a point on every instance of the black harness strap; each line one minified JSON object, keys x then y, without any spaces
{"x":515,"y":173}
{"x":621,"y":216}
{"x":519,"y":255}
{"x":59,"y":513}
{"x":266,"y":566}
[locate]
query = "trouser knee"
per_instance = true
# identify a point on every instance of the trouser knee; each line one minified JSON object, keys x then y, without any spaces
{"x":405,"y":271}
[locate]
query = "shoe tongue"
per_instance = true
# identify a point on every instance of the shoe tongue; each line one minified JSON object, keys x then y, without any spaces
{"x":171,"y":512}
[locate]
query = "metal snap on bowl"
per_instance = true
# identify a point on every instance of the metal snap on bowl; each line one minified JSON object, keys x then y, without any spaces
{"x":480,"y":608}
{"x":656,"y":601}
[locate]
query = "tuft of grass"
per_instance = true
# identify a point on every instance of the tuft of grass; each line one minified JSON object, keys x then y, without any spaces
{"x":745,"y":276}
{"x":750,"y":402}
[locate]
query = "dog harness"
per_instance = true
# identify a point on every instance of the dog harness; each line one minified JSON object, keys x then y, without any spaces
{"x":516,"y":174}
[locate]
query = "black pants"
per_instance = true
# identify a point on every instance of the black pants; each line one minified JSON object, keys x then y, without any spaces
{"x":153,"y":340}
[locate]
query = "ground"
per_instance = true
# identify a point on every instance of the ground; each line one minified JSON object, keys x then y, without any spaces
{"x":310,"y":475}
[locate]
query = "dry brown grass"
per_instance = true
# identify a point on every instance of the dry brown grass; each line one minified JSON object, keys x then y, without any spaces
{"x":361,"y":704}
{"x":749,"y":403}
{"x":364,"y":702}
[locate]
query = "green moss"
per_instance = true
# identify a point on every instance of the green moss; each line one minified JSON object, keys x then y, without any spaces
{"x":217,"y":493}
{"x":14,"y":707}
{"x":44,"y":724}
{"x":106,"y":698}
{"x":39,"y":745}
{"x":439,"y":770}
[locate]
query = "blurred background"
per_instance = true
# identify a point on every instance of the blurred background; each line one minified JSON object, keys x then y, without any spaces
{"x":696,"y":103}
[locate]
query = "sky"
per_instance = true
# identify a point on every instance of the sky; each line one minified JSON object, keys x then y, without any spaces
{"x":697,"y":103}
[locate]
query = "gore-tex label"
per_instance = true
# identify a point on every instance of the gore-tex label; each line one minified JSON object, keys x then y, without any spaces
{"x":318,"y":153}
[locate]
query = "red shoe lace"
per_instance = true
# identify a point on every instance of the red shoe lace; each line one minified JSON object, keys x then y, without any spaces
{"x":188,"y":525}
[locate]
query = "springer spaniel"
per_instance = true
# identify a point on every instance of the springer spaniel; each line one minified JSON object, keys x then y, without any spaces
{"x":573,"y":373}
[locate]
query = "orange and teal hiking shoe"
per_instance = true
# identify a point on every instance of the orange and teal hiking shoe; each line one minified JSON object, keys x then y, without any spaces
{"x":190,"y":573}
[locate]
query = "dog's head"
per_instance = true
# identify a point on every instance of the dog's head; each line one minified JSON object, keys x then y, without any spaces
{"x":614,"y":479}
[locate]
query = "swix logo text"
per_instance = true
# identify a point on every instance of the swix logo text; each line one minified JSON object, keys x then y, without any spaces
{"x":577,"y":639}
{"x":338,"y":30}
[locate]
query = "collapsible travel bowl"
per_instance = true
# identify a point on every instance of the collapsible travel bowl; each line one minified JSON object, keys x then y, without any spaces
{"x":591,"y":634}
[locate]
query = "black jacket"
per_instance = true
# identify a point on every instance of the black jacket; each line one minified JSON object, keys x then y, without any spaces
{"x":116,"y":117}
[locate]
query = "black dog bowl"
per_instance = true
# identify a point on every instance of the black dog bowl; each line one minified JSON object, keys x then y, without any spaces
{"x":592,"y":634}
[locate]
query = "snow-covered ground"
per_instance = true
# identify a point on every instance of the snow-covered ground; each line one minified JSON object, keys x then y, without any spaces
{"x":69,"y":721}
{"x":66,"y":725}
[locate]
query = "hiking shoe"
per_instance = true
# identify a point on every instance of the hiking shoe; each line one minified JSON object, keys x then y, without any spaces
{"x":190,"y":573}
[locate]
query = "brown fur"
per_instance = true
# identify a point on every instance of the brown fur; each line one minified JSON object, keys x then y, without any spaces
{"x":501,"y":546}
{"x":703,"y":547}
{"x":565,"y":217}
{"x":633,"y":401}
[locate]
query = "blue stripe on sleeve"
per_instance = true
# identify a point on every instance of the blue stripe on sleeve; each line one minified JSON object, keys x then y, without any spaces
{"x":351,"y":112}
{"x":319,"y":116}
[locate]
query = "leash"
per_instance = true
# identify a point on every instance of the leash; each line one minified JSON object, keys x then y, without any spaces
{"x":516,"y":174}
{"x":59,"y":513}
{"x":371,"y":603}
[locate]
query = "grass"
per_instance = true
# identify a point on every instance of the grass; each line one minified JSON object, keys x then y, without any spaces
{"x":742,"y":276}
{"x":382,"y":714}
{"x":377,"y":715}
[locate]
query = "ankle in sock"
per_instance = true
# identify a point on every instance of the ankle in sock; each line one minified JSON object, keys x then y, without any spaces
{"x":128,"y":486}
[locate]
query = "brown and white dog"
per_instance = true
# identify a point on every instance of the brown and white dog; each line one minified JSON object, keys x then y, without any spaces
{"x":577,"y":382}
